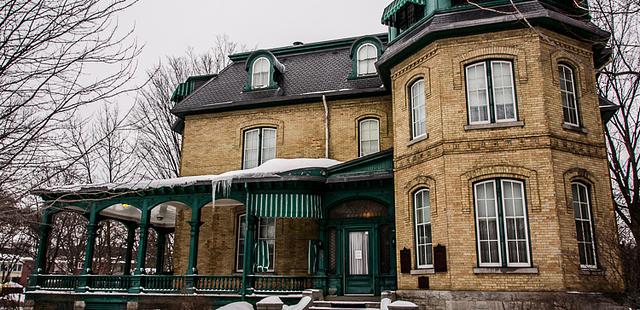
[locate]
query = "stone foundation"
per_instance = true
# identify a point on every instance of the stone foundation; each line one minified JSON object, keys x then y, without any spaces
{"x":463,"y":300}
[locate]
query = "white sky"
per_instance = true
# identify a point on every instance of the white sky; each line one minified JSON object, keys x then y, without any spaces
{"x":169,"y":27}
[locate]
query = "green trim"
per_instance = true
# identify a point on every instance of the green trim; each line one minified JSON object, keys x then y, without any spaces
{"x":396,"y":5}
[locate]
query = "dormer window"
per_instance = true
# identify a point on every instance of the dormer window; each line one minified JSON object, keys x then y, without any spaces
{"x":260,"y":73}
{"x":367,"y":57}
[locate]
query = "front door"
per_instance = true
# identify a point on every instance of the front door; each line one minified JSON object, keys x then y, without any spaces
{"x":358,"y":269}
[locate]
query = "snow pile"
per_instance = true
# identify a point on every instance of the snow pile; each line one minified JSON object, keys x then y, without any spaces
{"x":220,"y":181}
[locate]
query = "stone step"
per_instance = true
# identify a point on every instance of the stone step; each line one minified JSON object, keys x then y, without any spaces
{"x":345,"y":304}
{"x":341,"y":308}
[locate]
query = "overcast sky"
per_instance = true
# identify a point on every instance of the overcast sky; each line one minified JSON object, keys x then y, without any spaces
{"x":169,"y":27}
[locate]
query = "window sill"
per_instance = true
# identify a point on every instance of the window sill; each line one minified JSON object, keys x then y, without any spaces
{"x":494,"y":125}
{"x":423,"y":271}
{"x":592,"y":272}
{"x":577,"y":129}
{"x":418,"y":139}
{"x":508,"y":270}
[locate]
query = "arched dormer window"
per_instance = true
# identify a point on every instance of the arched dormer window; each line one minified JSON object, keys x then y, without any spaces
{"x":260,"y":73}
{"x":364,"y":53}
{"x":367,"y":57}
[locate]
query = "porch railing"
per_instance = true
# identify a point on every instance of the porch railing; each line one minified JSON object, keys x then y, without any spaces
{"x":218,"y":284}
{"x":278,"y":284}
{"x":174,"y":284}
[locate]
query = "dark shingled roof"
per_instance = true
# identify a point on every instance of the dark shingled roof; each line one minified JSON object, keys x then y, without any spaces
{"x":312,"y":70}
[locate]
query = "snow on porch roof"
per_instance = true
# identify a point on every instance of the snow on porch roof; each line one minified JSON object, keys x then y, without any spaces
{"x":270,"y":169}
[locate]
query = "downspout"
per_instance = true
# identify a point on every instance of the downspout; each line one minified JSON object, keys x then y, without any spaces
{"x":326,"y":126}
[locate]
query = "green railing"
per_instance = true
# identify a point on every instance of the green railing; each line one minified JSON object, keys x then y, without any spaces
{"x":178,"y":284}
{"x":108,"y":283}
{"x":169,"y":284}
{"x":218,"y":284}
{"x":281,"y":284}
{"x":57,"y":282}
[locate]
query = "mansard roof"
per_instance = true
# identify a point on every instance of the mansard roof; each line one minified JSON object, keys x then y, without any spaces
{"x":312,"y":70}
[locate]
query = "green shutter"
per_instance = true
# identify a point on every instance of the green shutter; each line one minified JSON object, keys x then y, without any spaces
{"x":288,"y":205}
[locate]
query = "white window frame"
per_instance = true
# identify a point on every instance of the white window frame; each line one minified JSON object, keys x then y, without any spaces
{"x":589,"y":220}
{"x":564,"y":93}
{"x":359,"y":59}
{"x":486,"y":83}
{"x":513,"y":93}
{"x":261,"y":136}
{"x":495,"y":206}
{"x":255,"y":72}
{"x":501,"y":221}
{"x":239,"y":264}
{"x":426,"y":205}
{"x":361,"y":138}
{"x":526,"y":223}
{"x":413,"y":96}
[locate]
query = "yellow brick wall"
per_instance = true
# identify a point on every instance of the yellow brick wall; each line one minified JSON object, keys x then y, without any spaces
{"x":213,"y":144}
{"x":539,"y":151}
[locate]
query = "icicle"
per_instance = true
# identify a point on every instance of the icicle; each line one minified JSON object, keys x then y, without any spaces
{"x":214,"y":189}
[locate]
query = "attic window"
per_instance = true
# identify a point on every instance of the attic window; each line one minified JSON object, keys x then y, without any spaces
{"x":367,"y":57}
{"x":260,"y":73}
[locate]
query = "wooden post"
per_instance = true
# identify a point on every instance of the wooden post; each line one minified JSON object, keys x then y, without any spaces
{"x":136,"y":279}
{"x":247,"y":263}
{"x":88,"y":252}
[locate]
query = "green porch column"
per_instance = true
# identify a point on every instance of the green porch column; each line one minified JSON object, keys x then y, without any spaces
{"x":44,"y":232}
{"x":92,"y":227}
{"x":195,"y":223}
{"x":160,"y":249}
{"x":136,"y":279}
{"x":131,"y":237}
{"x":247,"y":263}
{"x":142,"y":243}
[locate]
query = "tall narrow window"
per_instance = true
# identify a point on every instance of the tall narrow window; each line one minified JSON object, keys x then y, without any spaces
{"x":260,"y":73}
{"x":491,"y":92}
{"x":418,"y":112}
{"x":266,"y":231}
{"x":367,"y":57}
{"x":424,"y":245}
{"x":584,"y":226}
{"x":568,"y":92}
{"x":259,"y":147}
{"x":501,"y":211}
{"x":369,"y":130}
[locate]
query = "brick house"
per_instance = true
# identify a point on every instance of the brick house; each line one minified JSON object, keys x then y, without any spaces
{"x":472,"y":167}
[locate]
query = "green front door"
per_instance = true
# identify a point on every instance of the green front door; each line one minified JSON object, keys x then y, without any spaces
{"x":358,"y":275}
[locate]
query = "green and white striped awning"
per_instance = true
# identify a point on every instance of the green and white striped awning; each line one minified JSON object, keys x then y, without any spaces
{"x":396,"y":5}
{"x":285,"y":205}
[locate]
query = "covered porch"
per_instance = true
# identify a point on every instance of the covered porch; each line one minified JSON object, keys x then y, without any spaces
{"x":350,"y":203}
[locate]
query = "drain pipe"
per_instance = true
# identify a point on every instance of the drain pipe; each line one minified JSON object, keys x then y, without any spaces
{"x":326,"y":126}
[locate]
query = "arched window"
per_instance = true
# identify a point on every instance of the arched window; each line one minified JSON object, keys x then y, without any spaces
{"x":367,"y":57}
{"x":424,"y":243}
{"x":259,"y":145}
{"x":584,"y":225}
{"x":418,"y":110}
{"x":569,"y":98}
{"x":501,"y":223}
{"x":260,"y":73}
{"x":369,"y":136}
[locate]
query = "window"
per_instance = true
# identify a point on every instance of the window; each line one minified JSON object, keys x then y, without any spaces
{"x":501,"y":213}
{"x":259,"y":147}
{"x":18,"y":267}
{"x":584,"y":226}
{"x":424,"y":246}
{"x":491,"y":92}
{"x":367,"y":57}
{"x":260,"y":73}
{"x":418,"y":112}
{"x":266,"y":231}
{"x":369,"y":131}
{"x":568,"y":92}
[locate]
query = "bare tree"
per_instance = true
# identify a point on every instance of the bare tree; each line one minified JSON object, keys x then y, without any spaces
{"x":159,"y":146}
{"x":47,"y":49}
